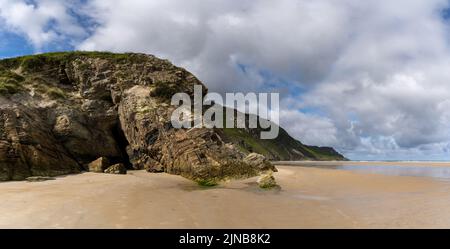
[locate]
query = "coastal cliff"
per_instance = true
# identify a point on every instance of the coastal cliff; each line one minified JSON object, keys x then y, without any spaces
{"x":61,"y":111}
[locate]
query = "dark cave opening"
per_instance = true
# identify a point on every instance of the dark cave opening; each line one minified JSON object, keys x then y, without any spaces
{"x":122,"y":143}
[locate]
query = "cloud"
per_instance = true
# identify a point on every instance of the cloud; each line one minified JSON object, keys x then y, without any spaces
{"x":367,"y":77}
{"x":311,"y":128}
{"x":41,"y":21}
{"x":392,"y":81}
{"x":289,"y":38}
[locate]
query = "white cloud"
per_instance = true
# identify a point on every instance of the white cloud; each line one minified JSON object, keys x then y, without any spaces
{"x":312,"y":129}
{"x":41,"y":22}
{"x":296,"y":39}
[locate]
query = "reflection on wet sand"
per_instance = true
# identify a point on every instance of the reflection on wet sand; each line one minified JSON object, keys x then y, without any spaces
{"x":417,"y":169}
{"x":308,"y":197}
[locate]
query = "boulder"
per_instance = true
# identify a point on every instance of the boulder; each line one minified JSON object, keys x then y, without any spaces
{"x":116,"y":169}
{"x":267,"y":180}
{"x":99,"y":165}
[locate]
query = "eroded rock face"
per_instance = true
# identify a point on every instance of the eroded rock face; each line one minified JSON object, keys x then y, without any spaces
{"x":258,"y":161}
{"x":72,"y":108}
{"x":27,"y":148}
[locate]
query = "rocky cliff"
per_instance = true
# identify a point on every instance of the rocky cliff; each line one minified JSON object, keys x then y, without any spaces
{"x":61,"y":111}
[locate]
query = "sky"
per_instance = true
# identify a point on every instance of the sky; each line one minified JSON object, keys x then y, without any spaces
{"x":369,"y":78}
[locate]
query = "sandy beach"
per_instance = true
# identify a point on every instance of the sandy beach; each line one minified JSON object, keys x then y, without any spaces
{"x":307,"y":198}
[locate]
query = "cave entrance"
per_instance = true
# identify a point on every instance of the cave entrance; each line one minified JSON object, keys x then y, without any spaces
{"x":122,"y":143}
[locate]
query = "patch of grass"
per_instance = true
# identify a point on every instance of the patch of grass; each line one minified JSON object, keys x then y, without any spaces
{"x":165,"y":90}
{"x":9,"y":88}
{"x":33,"y":62}
{"x":207,"y":182}
{"x":40,"y":86}
{"x":323,"y":153}
{"x":250,"y":142}
{"x":36,"y":62}
{"x":56,"y":93}
{"x":84,"y":66}
{"x":11,"y":75}
{"x":10,"y":82}
{"x":43,"y":87}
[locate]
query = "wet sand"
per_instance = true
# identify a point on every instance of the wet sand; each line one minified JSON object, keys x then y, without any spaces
{"x":308,"y":198}
{"x":363,"y":163}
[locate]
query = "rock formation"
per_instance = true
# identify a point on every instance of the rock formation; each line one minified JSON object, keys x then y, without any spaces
{"x":99,"y":165}
{"x":267,"y":180}
{"x":61,"y":111}
{"x":118,"y":168}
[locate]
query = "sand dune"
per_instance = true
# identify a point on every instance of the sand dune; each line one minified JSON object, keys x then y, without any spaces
{"x":308,"y":198}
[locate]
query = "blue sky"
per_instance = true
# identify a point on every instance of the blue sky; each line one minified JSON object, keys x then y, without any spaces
{"x":12,"y":45}
{"x":369,"y":78}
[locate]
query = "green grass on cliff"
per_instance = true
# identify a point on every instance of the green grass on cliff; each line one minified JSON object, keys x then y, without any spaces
{"x":247,"y":143}
{"x":42,"y":86}
{"x":8,"y":88}
{"x":10,"y":83}
{"x":164,"y":90}
{"x":33,"y":62}
{"x":56,"y":93}
{"x":284,"y":147}
{"x":11,"y":75}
